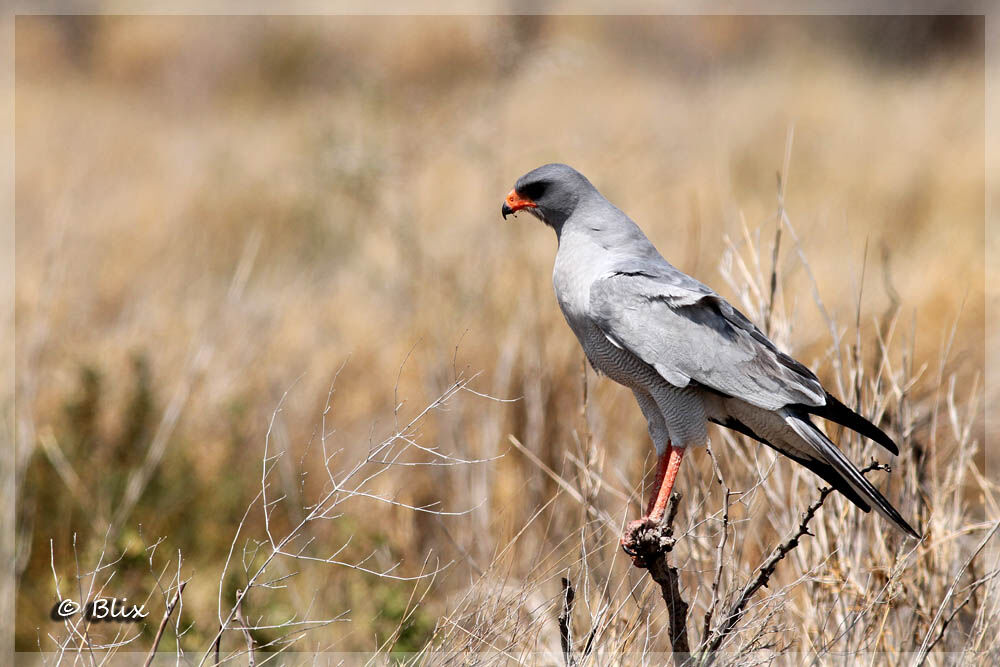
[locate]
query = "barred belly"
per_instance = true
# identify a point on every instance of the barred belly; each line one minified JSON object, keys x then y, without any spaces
{"x":682,"y":408}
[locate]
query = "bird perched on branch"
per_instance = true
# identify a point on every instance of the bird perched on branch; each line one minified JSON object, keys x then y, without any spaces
{"x":688,"y":355}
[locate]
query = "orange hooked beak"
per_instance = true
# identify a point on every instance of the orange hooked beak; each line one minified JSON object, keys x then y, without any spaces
{"x":515,"y":203}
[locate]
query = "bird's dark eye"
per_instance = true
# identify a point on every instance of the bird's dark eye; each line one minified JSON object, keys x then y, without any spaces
{"x":534,"y":190}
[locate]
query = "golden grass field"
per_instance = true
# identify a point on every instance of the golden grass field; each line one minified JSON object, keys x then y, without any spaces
{"x":217,"y":218}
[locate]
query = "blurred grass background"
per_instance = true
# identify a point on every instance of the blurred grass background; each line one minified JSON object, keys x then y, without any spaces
{"x":214,"y":210}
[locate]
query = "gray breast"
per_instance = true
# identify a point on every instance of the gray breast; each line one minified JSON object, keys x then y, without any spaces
{"x":618,"y":364}
{"x":578,"y":263}
{"x":683,"y":409}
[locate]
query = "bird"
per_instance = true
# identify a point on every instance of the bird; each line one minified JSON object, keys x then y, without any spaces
{"x":689,"y":356}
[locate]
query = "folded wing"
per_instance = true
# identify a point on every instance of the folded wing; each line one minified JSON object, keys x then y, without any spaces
{"x":688,"y":332}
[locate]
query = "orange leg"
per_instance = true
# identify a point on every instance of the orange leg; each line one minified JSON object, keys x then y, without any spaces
{"x":661,"y":472}
{"x":666,"y":473}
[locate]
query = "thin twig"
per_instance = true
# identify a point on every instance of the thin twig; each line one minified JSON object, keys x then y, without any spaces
{"x":163,"y":624}
{"x":782,"y":184}
{"x":566,"y":486}
{"x":246,"y":631}
{"x":927,"y":643}
{"x":720,"y":550}
{"x":765,"y":571}
{"x":566,"y":621}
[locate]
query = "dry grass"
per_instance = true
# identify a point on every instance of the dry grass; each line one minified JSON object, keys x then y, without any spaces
{"x":214,"y":212}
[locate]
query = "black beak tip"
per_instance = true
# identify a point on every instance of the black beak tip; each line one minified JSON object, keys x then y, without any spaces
{"x":506,"y":210}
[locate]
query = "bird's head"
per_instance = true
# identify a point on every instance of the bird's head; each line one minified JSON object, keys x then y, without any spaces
{"x":550,"y":193}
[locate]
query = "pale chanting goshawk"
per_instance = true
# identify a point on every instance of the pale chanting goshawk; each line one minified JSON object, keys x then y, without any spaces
{"x":688,"y":355}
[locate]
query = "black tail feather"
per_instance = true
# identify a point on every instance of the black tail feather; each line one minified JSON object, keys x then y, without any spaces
{"x":823,"y":470}
{"x":836,"y":411}
{"x":843,"y":467}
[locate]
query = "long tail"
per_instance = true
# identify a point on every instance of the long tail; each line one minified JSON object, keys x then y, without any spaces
{"x":804,"y":427}
{"x":836,"y":411}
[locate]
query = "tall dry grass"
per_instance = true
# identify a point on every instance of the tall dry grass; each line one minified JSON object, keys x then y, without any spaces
{"x":214,"y":212}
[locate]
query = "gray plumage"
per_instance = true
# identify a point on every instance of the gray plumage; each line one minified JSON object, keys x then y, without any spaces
{"x":687,"y":354}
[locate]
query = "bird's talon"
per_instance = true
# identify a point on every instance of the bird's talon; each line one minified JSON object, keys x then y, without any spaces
{"x":635,"y":534}
{"x":628,"y":549}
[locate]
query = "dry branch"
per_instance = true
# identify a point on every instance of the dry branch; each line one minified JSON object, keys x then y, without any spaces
{"x":651,"y":548}
{"x":714,"y":641}
{"x":565,"y":622}
{"x":246,"y":632}
{"x":163,"y":624}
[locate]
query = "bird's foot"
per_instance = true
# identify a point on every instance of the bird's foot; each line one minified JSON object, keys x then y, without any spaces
{"x":635,"y":533}
{"x":645,"y":540}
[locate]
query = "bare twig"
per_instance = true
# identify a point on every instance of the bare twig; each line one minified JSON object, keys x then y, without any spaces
{"x":566,"y":622}
{"x":764,"y":572}
{"x":775,"y":251}
{"x":354,"y":483}
{"x":163,"y":624}
{"x":246,"y":632}
{"x":928,"y":644}
{"x":566,"y":486}
{"x":720,"y":550}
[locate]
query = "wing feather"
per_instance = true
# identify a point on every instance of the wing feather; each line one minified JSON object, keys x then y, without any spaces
{"x":688,"y":332}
